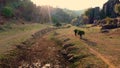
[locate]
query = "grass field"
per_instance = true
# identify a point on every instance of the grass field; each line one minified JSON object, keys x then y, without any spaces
{"x":107,"y":44}
{"x":103,"y":48}
{"x":88,"y":59}
{"x":95,"y":50}
{"x":17,"y":33}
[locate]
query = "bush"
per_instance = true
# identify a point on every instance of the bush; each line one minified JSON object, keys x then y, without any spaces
{"x":81,"y":33}
{"x":7,"y":11}
{"x":58,"y":24}
{"x":75,"y":31}
{"x":5,"y":27}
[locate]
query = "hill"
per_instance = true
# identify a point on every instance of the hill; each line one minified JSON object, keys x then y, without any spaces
{"x":74,"y":13}
{"x":27,"y":11}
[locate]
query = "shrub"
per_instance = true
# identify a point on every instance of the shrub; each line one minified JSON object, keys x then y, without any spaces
{"x":58,"y":24}
{"x":80,"y":32}
{"x":75,"y":31}
{"x":7,"y":11}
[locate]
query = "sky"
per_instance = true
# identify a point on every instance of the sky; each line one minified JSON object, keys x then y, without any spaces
{"x":71,"y":4}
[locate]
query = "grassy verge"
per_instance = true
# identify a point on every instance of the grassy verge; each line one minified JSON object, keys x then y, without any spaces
{"x":107,"y":44}
{"x":14,"y":34}
{"x":83,"y":58}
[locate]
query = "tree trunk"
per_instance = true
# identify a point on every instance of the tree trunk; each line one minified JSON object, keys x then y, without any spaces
{"x":80,"y":36}
{"x":75,"y":34}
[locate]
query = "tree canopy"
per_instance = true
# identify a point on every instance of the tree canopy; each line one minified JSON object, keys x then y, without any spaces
{"x":28,"y":11}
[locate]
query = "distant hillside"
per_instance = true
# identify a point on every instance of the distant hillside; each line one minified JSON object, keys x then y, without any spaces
{"x":26,"y":10}
{"x":79,"y":12}
{"x":74,"y":13}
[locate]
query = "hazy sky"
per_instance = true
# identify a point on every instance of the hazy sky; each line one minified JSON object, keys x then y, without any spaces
{"x":71,"y":4}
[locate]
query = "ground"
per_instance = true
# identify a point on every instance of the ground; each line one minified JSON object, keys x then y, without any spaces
{"x":95,"y":50}
{"x":107,"y":44}
{"x":19,"y":33}
{"x":104,"y":45}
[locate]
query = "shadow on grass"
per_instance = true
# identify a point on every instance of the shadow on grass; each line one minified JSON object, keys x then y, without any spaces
{"x":91,"y":43}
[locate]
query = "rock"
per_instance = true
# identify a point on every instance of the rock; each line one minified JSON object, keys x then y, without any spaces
{"x":108,"y":8}
{"x":42,"y":32}
{"x":70,"y":55}
{"x":109,"y":26}
{"x":56,"y":66}
{"x":105,"y":31}
{"x":71,"y":59}
{"x":55,"y":33}
{"x":94,"y":14}
{"x":47,"y":66}
{"x":67,"y":45}
{"x":25,"y":65}
{"x":71,"y":48}
{"x":19,"y":46}
{"x":37,"y":65}
{"x":66,"y":40}
{"x":64,"y":52}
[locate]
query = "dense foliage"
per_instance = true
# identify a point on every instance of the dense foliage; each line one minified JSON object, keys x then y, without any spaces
{"x":28,"y":11}
{"x":7,"y":11}
{"x":58,"y":15}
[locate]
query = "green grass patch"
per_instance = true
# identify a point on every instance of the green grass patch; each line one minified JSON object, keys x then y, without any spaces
{"x":17,"y":34}
{"x":82,"y":56}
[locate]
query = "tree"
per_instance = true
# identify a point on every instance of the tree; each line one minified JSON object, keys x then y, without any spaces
{"x":58,"y":24}
{"x":117,"y":8}
{"x":7,"y":11}
{"x":55,"y":20}
{"x":81,"y":33}
{"x":84,"y":19}
{"x":26,"y":10}
{"x":75,"y":31}
{"x":60,"y":15}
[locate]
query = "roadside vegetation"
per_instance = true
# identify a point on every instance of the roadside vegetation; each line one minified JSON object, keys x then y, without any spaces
{"x":75,"y":50}
{"x":13,"y":34}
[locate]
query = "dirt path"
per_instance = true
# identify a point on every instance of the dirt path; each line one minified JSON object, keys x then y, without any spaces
{"x":93,"y":51}
{"x":90,"y":43}
{"x":49,"y":53}
{"x":44,"y":53}
{"x":8,"y":43}
{"x":98,"y":54}
{"x":17,"y":35}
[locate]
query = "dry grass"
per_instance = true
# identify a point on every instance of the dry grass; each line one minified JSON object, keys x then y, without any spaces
{"x":16,"y":35}
{"x":108,"y":44}
{"x":103,"y":54}
{"x":43,"y":51}
{"x":88,"y":59}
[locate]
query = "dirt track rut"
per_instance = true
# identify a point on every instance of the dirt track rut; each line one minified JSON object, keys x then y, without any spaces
{"x":98,"y":54}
